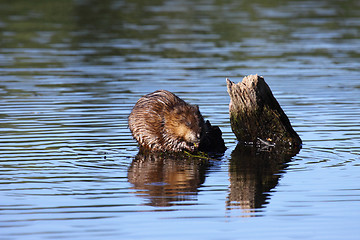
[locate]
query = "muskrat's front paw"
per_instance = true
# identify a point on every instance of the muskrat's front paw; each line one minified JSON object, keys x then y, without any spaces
{"x":192,"y":147}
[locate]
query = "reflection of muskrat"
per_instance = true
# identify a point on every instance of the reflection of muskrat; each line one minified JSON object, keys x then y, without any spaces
{"x":161,"y":121}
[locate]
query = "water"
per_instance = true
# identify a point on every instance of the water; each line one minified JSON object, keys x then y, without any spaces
{"x":72,"y":70}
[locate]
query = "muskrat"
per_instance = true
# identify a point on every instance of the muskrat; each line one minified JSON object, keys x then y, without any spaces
{"x":161,"y":121}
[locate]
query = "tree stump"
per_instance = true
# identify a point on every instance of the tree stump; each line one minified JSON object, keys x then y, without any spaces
{"x":256,"y":116}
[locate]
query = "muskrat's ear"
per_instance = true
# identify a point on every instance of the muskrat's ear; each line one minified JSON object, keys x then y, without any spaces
{"x":178,"y":110}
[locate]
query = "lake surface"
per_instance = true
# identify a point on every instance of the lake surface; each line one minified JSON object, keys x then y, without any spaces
{"x":70,"y":72}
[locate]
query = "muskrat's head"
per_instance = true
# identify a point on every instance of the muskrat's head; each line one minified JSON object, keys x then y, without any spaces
{"x":185,"y":122}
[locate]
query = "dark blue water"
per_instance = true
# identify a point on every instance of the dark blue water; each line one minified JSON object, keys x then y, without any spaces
{"x":70,"y":72}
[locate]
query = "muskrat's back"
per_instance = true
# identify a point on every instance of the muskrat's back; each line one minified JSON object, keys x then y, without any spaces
{"x":161,"y":121}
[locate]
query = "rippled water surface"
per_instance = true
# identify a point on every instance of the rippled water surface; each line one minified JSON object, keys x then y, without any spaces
{"x":70,"y":72}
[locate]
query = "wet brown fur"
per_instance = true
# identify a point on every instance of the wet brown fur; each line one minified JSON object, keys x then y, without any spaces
{"x":161,"y":121}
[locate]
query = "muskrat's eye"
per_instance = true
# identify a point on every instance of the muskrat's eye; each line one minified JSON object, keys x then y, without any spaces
{"x":188,"y":124}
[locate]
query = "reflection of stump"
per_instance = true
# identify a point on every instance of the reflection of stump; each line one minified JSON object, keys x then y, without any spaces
{"x":253,"y":173}
{"x":256,"y":116}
